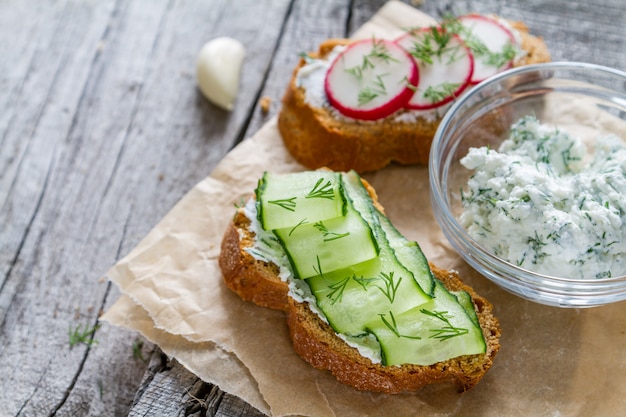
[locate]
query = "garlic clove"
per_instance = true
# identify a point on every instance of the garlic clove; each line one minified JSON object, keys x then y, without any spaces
{"x":218,"y":68}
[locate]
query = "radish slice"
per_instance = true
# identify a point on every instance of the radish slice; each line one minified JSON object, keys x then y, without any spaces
{"x":445,"y":65}
{"x":371,"y":79}
{"x":493,"y":45}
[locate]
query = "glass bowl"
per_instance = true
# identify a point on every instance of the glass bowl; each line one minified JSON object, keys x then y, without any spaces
{"x":587,"y":101}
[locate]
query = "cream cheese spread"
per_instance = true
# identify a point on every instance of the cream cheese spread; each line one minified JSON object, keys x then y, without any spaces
{"x":543,"y":202}
{"x":267,"y":248}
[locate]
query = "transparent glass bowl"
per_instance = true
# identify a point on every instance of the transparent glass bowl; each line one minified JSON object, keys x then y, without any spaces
{"x":586,"y":100}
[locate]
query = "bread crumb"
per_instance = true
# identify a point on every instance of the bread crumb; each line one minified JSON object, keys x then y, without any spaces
{"x":265,"y":103}
{"x":417,"y":2}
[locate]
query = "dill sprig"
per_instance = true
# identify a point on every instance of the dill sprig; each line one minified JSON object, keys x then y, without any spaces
{"x":337,"y":290}
{"x":431,"y":43}
{"x":327,"y":234}
{"x":137,"y":350}
{"x":363,"y":282}
{"x":369,"y":93}
{"x":536,"y":244}
{"x":356,"y":71}
{"x":492,"y":58}
{"x":390,"y":286}
{"x":452,"y":25}
{"x":438,"y":92}
{"x":436,"y":40}
{"x":446,"y":332}
{"x":322,"y":190}
{"x":380,"y":51}
{"x":499,"y":59}
{"x":366,"y":95}
{"x":84,"y":335}
{"x":393,"y":326}
{"x":286,"y":203}
{"x":318,"y":268}
{"x":300,"y":223}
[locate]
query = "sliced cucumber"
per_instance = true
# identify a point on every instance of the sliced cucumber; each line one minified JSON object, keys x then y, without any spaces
{"x":286,"y":200}
{"x":436,"y":331}
{"x":354,"y":296}
{"x":466,"y":301}
{"x":328,"y":245}
{"x":409,"y":254}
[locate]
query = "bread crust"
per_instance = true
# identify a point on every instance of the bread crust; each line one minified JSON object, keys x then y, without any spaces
{"x":316,"y":342}
{"x":253,"y":280}
{"x":316,"y":137}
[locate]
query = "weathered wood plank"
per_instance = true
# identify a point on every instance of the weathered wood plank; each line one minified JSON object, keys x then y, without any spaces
{"x":120,"y":134}
{"x":168,"y":379}
{"x":308,"y":24}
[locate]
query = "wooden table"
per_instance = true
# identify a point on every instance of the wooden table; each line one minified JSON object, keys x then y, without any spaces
{"x":102,"y":131}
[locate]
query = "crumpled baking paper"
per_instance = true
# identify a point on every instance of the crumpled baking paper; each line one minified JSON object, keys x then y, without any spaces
{"x":553,"y":362}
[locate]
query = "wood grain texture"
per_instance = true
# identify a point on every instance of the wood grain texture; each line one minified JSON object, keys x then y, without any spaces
{"x":102,"y":131}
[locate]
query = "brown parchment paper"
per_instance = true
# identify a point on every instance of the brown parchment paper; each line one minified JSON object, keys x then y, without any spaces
{"x":553,"y":362}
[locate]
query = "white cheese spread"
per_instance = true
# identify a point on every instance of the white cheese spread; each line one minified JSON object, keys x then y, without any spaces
{"x":542,"y":202}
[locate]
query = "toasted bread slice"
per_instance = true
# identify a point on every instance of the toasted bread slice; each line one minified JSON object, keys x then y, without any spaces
{"x":318,"y":137}
{"x":316,"y":342}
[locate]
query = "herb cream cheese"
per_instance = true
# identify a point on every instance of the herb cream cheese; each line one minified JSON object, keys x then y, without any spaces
{"x":542,"y":202}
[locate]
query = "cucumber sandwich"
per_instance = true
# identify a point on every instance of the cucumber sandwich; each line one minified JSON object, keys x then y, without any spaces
{"x":362,"y":301}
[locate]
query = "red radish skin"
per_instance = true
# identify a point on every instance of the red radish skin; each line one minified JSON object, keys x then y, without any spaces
{"x":452,"y":64}
{"x":371,"y":79}
{"x":495,"y":36}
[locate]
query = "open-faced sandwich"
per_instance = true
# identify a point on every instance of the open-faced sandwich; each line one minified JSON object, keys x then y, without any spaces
{"x":361,"y":300}
{"x":361,"y":104}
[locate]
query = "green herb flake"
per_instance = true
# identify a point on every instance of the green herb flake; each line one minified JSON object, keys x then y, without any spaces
{"x":286,"y":203}
{"x":439,"y":92}
{"x":366,"y":95}
{"x":307,"y":58}
{"x":84,"y":335}
{"x":380,"y":51}
{"x":363,"y":282}
{"x":446,"y":332}
{"x":322,"y":190}
{"x":327,"y":234}
{"x":137,"y":350}
{"x":338,"y":289}
{"x":390,"y":286}
{"x":393,"y":326}
{"x":499,"y":59}
{"x":357,"y":72}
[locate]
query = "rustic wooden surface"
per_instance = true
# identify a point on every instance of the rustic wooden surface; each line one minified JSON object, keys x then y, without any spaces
{"x":102,"y":131}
